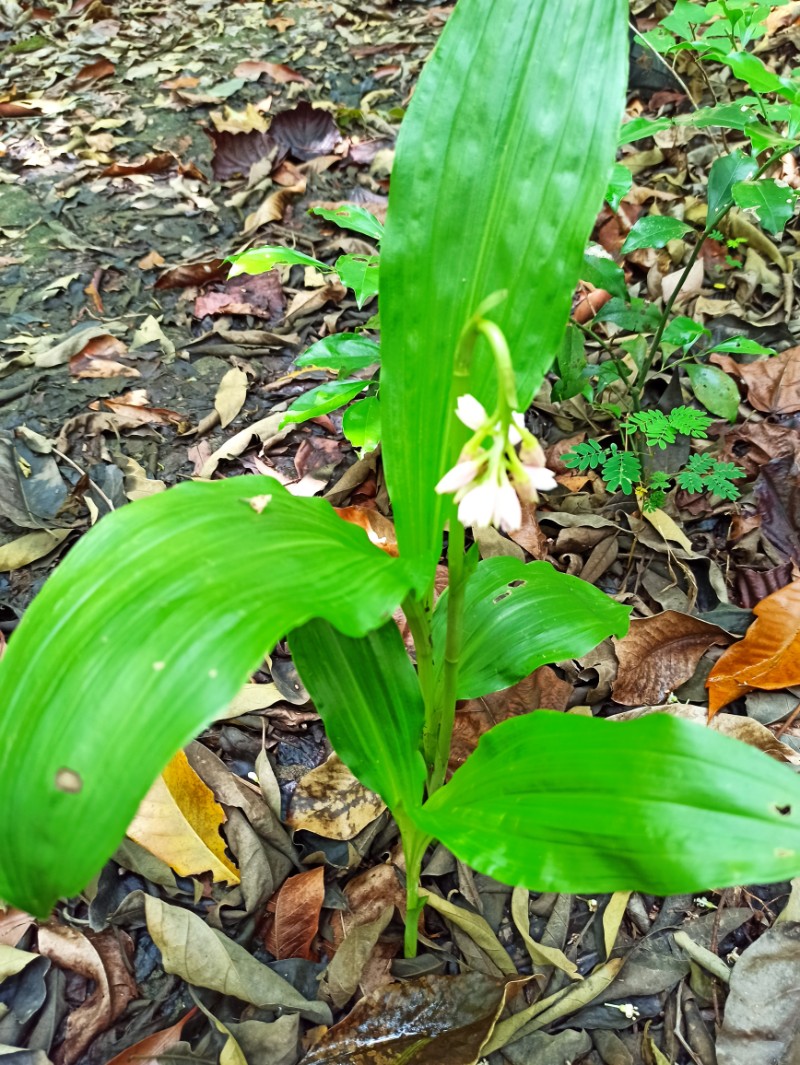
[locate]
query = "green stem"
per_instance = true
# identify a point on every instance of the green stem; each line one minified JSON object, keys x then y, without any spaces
{"x":418,"y":615}
{"x":414,"y":846}
{"x":446,"y":701}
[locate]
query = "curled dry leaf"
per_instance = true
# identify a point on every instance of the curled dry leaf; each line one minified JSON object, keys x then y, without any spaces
{"x":659,"y":654}
{"x":99,"y":959}
{"x":293,"y":916}
{"x":378,"y":528}
{"x":193,"y":274}
{"x":152,"y":164}
{"x":252,"y":69}
{"x":305,"y":131}
{"x":231,"y":395}
{"x":99,"y":359}
{"x":13,"y":926}
{"x":179,"y":821}
{"x":767,"y":657}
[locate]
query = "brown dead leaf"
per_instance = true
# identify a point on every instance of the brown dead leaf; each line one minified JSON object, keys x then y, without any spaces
{"x":193,"y":274}
{"x":773,"y":384}
{"x":260,"y":295}
{"x":236,"y":153}
{"x":280,"y":23}
{"x":293,"y":916}
{"x":131,"y":415}
{"x":13,"y":926}
{"x":252,"y":70}
{"x":101,"y":68}
{"x":99,"y":959}
{"x":149,"y":1051}
{"x":659,"y":654}
{"x":150,"y":260}
{"x":543,"y":688}
{"x":430,"y":1020}
{"x":308,"y":302}
{"x":306,"y":131}
{"x":98,"y":358}
{"x":378,"y":528}
{"x":179,"y":821}
{"x":767,"y":657}
{"x":273,"y":208}
{"x":753,"y":444}
{"x":151,"y":164}
{"x":330,"y":801}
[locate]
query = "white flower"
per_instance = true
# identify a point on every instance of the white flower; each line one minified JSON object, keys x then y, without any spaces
{"x":507,"y":514}
{"x":462,"y":474}
{"x":627,"y":1008}
{"x":471,"y":412}
{"x":477,"y":506}
{"x":533,"y":479}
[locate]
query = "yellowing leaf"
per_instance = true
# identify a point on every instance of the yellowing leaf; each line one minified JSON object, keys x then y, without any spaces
{"x":179,"y":821}
{"x":769,"y":655}
{"x":663,"y":524}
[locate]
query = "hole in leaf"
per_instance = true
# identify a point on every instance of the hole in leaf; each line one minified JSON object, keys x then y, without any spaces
{"x":516,"y":584}
{"x":69,"y":781}
{"x":784,"y":811}
{"x":499,"y":598}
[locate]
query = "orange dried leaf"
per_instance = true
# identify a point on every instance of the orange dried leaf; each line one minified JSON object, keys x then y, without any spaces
{"x":296,"y":908}
{"x":767,"y":657}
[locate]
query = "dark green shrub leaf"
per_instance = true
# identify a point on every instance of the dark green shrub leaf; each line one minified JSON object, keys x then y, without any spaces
{"x":684,"y":332}
{"x":636,"y":316}
{"x":715,"y":390}
{"x":772,"y":204}
{"x":360,"y":273}
{"x":351,"y":216}
{"x":367,"y":693}
{"x":361,"y":423}
{"x":741,"y":346}
{"x":725,"y":172}
{"x":518,"y":617}
{"x":654,"y":231}
{"x":620,"y":183}
{"x":560,"y":802}
{"x":342,"y":351}
{"x":161,"y":611}
{"x":322,"y":400}
{"x":603,"y":272}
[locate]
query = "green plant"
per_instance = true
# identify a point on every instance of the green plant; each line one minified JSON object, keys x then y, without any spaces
{"x":153,"y":621}
{"x":762,"y":107}
{"x":623,"y":470}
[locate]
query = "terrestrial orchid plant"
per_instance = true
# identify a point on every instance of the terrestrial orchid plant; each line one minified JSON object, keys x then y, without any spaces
{"x":147,"y":630}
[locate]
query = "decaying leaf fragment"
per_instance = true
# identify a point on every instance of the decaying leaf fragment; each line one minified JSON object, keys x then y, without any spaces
{"x":767,"y":657}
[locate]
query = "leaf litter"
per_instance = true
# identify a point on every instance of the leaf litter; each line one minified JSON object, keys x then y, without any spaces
{"x":129,"y":362}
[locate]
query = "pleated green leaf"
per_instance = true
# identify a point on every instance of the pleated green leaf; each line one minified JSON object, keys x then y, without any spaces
{"x":367,"y":693}
{"x":518,"y":617}
{"x":144,"y":633}
{"x":502,"y":163}
{"x":556,"y":802}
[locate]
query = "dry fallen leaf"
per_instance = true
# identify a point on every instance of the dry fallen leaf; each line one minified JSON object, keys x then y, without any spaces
{"x":378,"y":528}
{"x":179,"y":821}
{"x":768,"y":656}
{"x":773,"y":384}
{"x":231,"y":395}
{"x":330,"y":801}
{"x":151,"y":1049}
{"x":659,"y":654}
{"x":293,"y":915}
{"x":98,"y":958}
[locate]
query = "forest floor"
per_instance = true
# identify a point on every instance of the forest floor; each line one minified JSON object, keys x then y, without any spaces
{"x":140,"y":145}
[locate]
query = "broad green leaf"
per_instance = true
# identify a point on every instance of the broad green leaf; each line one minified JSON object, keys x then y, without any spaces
{"x":161,"y":611}
{"x":620,"y":183}
{"x":258,"y":260}
{"x":743,"y":115}
{"x":573,"y":369}
{"x":772,"y":204}
{"x":360,"y":273}
{"x":654,"y":231}
{"x":741,"y":346}
{"x":342,"y":351}
{"x":534,"y":614}
{"x":361,"y":423}
{"x":683,"y":18}
{"x":367,"y":693}
{"x":492,"y":192}
{"x":637,"y":316}
{"x":715,"y":390}
{"x":603,"y":272}
{"x":561,"y":802}
{"x":750,"y":69}
{"x":350,"y":216}
{"x":322,"y":400}
{"x":684,"y":332}
{"x":725,"y":172}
